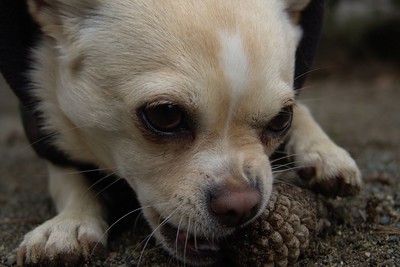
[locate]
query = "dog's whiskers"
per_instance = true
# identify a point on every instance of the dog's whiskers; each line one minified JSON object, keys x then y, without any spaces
{"x":290,"y":162}
{"x":286,"y":156}
{"x":186,"y":241}
{"x":310,"y":71}
{"x":136,"y":220}
{"x":100,"y":180}
{"x":195,"y":234}
{"x":109,"y":185}
{"x":281,"y":158}
{"x":50,"y":135}
{"x":87,"y":171}
{"x":288,"y":169}
{"x":177,"y":236}
{"x":147,"y":239}
{"x":120,"y":219}
{"x":288,"y":166}
{"x":278,"y":180}
{"x":280,"y":166}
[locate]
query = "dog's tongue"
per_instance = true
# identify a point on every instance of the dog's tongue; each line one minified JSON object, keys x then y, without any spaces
{"x":199,"y":245}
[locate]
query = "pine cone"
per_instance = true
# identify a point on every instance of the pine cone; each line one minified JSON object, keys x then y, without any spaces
{"x":276,"y":238}
{"x":281,"y":234}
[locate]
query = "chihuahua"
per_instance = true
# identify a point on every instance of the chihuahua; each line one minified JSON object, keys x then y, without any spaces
{"x":186,"y":101}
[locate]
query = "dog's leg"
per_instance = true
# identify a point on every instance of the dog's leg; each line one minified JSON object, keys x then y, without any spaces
{"x":70,"y":236}
{"x":326,"y":167}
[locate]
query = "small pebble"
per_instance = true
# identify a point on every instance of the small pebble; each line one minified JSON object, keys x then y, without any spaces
{"x":384,"y":220}
{"x":11,"y":260}
{"x":366,"y":245}
{"x":112,"y":255}
{"x":367,"y":254}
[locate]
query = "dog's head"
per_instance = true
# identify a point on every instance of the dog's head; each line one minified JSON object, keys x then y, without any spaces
{"x":184,"y":99}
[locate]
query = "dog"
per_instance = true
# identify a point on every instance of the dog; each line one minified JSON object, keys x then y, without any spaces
{"x":185,"y":100}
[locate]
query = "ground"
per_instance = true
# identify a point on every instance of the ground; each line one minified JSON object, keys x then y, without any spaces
{"x":360,"y":112}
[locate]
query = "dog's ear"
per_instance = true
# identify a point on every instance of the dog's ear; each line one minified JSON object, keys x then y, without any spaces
{"x":53,"y":16}
{"x":295,"y":7}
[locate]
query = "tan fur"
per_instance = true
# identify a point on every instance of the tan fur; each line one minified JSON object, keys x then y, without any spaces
{"x":101,"y":60}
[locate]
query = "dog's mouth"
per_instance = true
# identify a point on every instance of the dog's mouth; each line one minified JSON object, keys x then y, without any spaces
{"x":190,"y":247}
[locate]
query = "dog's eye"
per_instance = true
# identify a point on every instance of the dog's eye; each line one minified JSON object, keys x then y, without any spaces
{"x":281,"y":122}
{"x":164,"y":118}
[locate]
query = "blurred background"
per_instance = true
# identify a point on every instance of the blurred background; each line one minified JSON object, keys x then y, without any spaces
{"x":361,"y":32}
{"x":354,"y":87}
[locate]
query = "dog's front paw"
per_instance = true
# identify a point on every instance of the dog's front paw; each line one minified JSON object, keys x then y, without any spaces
{"x":63,"y":241}
{"x":328,"y":169}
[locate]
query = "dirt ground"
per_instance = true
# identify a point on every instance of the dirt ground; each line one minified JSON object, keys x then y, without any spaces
{"x":360,"y":112}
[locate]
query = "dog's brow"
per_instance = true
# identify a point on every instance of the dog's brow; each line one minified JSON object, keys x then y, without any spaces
{"x":259,"y":120}
{"x":288,"y":102}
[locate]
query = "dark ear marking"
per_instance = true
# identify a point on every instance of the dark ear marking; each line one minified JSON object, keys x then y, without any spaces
{"x":61,"y":20}
{"x":311,"y":24}
{"x":40,"y":3}
{"x":295,"y":8}
{"x":51,"y":14}
{"x":42,"y":11}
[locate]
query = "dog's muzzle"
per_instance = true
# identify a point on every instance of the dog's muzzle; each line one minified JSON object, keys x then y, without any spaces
{"x":228,"y":207}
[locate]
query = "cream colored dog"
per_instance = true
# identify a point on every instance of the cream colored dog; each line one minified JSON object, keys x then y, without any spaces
{"x":184,"y":99}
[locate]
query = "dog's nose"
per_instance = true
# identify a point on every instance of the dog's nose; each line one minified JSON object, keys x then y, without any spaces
{"x":236,"y":206}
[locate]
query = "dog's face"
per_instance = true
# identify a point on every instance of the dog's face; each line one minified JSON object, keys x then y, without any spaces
{"x":186,"y":100}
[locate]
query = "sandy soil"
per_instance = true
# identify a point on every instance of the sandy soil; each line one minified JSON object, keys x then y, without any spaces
{"x":363,"y":117}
